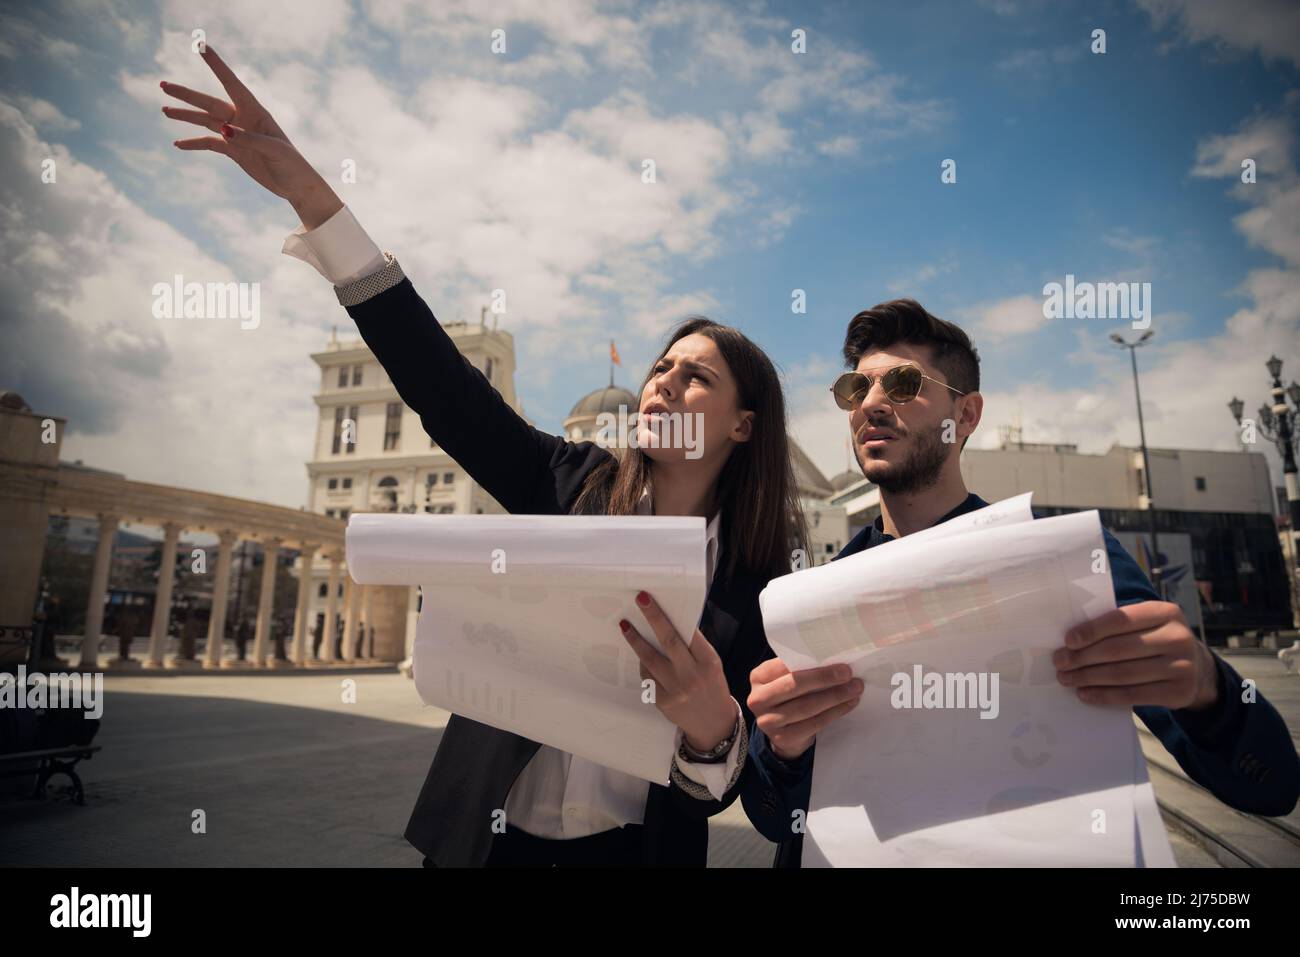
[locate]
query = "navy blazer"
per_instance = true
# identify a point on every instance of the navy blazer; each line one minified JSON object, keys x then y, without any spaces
{"x":533,"y":473}
{"x":1241,"y":753}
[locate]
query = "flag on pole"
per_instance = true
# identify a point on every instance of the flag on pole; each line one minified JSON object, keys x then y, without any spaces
{"x":613,"y":354}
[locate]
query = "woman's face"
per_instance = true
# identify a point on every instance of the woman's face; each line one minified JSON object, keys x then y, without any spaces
{"x":690,"y":406}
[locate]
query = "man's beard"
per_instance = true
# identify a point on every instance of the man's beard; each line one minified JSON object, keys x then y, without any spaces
{"x":920,"y":468}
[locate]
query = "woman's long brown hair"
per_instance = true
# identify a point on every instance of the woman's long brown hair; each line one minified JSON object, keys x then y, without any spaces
{"x":762,"y":518}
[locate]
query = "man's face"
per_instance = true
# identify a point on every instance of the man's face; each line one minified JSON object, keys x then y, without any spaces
{"x":900,"y":446}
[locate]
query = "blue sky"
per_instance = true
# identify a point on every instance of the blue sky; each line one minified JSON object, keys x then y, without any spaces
{"x":818,"y":171}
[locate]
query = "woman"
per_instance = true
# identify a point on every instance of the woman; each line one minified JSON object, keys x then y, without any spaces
{"x":558,"y":808}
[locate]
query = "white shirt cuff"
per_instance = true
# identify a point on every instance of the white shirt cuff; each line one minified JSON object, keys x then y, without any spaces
{"x":715,"y":777}
{"x":339,"y":249}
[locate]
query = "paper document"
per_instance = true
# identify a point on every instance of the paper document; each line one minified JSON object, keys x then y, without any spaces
{"x":964,"y":750}
{"x":519,"y":621}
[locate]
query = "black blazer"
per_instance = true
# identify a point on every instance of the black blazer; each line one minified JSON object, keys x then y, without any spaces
{"x":533,"y":473}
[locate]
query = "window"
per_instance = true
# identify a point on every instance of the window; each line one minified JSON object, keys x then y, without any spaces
{"x":431,"y":478}
{"x":352,"y":414}
{"x":343,"y":377}
{"x":392,"y":426}
{"x":1200,"y":483}
{"x":446,"y":509}
{"x":338,"y":429}
{"x":356,"y":375}
{"x":343,"y":513}
{"x":347,"y":483}
{"x":334,"y":483}
{"x":388,"y":490}
{"x":448,"y":478}
{"x":324,"y":589}
{"x":329,"y":513}
{"x":488,"y":369}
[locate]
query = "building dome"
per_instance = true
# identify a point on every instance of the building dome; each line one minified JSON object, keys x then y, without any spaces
{"x":845,"y":479}
{"x":12,"y":400}
{"x":607,"y":399}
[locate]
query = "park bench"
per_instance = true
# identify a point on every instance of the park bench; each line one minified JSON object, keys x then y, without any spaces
{"x":18,"y":644}
{"x":46,"y":763}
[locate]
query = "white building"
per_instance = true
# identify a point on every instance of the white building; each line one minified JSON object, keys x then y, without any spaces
{"x":1215,"y":513}
{"x":371,"y":454}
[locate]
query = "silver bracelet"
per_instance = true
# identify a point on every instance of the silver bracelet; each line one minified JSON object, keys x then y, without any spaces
{"x":697,"y":790}
{"x":717,"y":753}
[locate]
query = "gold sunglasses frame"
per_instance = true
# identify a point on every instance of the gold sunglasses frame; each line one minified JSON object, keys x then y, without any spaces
{"x":873,"y":379}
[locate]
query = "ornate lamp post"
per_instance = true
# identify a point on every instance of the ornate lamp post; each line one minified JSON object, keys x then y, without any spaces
{"x":1157,"y":569}
{"x":1278,"y":423}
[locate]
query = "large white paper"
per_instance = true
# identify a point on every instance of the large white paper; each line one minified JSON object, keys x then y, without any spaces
{"x":1153,"y":849}
{"x":1049,"y":780}
{"x":519,"y":623}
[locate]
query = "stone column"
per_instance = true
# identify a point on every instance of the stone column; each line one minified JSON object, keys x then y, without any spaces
{"x":367,"y":633}
{"x":220,"y":598}
{"x":350,"y":593}
{"x":265,"y":601}
{"x":163,"y":597}
{"x":407,"y":664}
{"x":331,"y":610}
{"x":298,"y":654}
{"x":98,"y":589}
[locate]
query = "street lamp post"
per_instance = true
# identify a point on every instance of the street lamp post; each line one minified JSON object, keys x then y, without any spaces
{"x":1157,"y":569}
{"x":1278,"y":423}
{"x":1236,"y":407}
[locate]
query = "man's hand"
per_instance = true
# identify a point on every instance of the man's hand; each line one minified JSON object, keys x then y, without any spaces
{"x":251,"y":138}
{"x":1141,"y":654}
{"x":791,"y":707}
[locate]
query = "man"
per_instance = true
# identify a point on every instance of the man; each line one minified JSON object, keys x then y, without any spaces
{"x":912,"y":401}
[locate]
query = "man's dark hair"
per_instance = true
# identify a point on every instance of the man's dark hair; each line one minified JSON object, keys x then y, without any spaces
{"x":905,"y":320}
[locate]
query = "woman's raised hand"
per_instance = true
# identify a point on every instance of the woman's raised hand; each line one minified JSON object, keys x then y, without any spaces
{"x":250,"y":137}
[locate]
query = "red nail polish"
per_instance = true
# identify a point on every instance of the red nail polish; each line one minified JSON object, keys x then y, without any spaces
{"x":162,"y":84}
{"x":624,"y":624}
{"x":643,"y":599}
{"x":227,"y":131}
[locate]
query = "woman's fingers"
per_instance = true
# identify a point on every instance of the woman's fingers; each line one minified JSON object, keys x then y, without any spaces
{"x":214,"y":143}
{"x":218,"y":108}
{"x":197,"y":117}
{"x":241,"y":138}
{"x":651,"y":661}
{"x":671,"y":642}
{"x":236,"y":90}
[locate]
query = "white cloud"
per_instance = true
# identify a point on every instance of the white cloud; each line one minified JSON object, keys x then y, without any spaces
{"x":1269,"y":27}
{"x":1003,"y":319}
{"x":839,"y":146}
{"x":163,"y":400}
{"x":1039,"y":60}
{"x":44,"y":115}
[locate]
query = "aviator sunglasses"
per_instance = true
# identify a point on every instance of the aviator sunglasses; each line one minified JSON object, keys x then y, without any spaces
{"x":902,"y":384}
